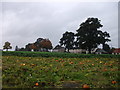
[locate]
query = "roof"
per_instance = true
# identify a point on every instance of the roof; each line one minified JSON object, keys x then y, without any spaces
{"x":117,"y":50}
{"x":59,"y":48}
{"x":100,"y":50}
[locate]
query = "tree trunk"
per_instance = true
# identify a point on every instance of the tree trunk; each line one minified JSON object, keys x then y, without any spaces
{"x":68,"y":50}
{"x":103,"y":45}
{"x":89,"y":50}
{"x":65,"y":50}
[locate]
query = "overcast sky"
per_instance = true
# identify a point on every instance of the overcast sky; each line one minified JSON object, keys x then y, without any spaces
{"x":24,"y":22}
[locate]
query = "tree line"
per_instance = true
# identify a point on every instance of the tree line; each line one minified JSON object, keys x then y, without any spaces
{"x":40,"y":45}
{"x":88,"y":36}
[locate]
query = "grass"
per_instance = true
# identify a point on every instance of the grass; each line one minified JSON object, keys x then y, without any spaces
{"x":55,"y":72}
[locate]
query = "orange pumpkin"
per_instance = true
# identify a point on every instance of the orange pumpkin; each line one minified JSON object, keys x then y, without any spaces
{"x":105,"y":69}
{"x":71,"y":62}
{"x":56,"y":60}
{"x":86,"y":86}
{"x":81,"y":63}
{"x":114,"y":82}
{"x":36,"y":84}
{"x":32,"y":64}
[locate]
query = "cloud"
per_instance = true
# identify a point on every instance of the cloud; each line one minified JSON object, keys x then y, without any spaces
{"x":24,"y":22}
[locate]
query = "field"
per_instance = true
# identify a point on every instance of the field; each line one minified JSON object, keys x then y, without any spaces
{"x":60,"y":72}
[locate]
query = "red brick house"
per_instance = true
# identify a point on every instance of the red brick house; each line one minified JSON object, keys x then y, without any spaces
{"x":116,"y":51}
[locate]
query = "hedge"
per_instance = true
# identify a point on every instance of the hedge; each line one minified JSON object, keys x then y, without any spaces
{"x":56,"y":54}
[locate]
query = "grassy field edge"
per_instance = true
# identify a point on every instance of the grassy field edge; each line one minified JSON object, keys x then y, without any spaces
{"x":56,"y":54}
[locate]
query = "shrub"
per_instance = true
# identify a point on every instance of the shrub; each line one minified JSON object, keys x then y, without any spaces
{"x":54,"y":54}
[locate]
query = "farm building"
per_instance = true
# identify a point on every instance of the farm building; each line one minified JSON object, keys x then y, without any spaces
{"x":78,"y":51}
{"x":94,"y":51}
{"x":58,"y":48}
{"x":84,"y":51}
{"x":116,"y":51}
{"x":99,"y":51}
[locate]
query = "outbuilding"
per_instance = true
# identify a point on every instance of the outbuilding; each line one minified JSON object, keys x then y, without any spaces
{"x":116,"y":51}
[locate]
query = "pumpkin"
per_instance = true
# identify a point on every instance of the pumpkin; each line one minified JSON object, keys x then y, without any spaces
{"x":86,"y":86}
{"x":114,"y":82}
{"x":36,"y":84}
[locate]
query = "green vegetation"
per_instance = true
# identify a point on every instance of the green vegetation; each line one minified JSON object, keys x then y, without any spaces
{"x":7,"y":46}
{"x":88,"y":36}
{"x":55,"y":72}
{"x":56,"y":54}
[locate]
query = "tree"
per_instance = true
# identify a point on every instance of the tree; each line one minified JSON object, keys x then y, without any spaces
{"x":7,"y":46}
{"x":32,"y":47}
{"x":88,"y":35}
{"x":27,"y":47}
{"x":104,"y":37}
{"x":46,"y":44}
{"x":16,"y":48}
{"x":37,"y":44}
{"x":67,"y":40}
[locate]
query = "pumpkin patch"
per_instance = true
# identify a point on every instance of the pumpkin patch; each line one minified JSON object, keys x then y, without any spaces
{"x":44,"y":72}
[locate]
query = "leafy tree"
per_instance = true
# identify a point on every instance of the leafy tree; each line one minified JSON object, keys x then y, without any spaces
{"x":27,"y":47}
{"x":7,"y":46}
{"x":38,"y":45}
{"x":88,"y":35}
{"x":32,"y":47}
{"x":46,"y":44}
{"x":67,"y":40}
{"x":103,"y":37}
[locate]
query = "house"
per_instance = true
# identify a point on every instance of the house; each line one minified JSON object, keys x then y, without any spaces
{"x":58,"y":48}
{"x":84,"y":51}
{"x":78,"y":51}
{"x":116,"y":51}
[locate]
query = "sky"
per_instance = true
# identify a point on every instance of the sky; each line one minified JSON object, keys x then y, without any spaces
{"x":25,"y":22}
